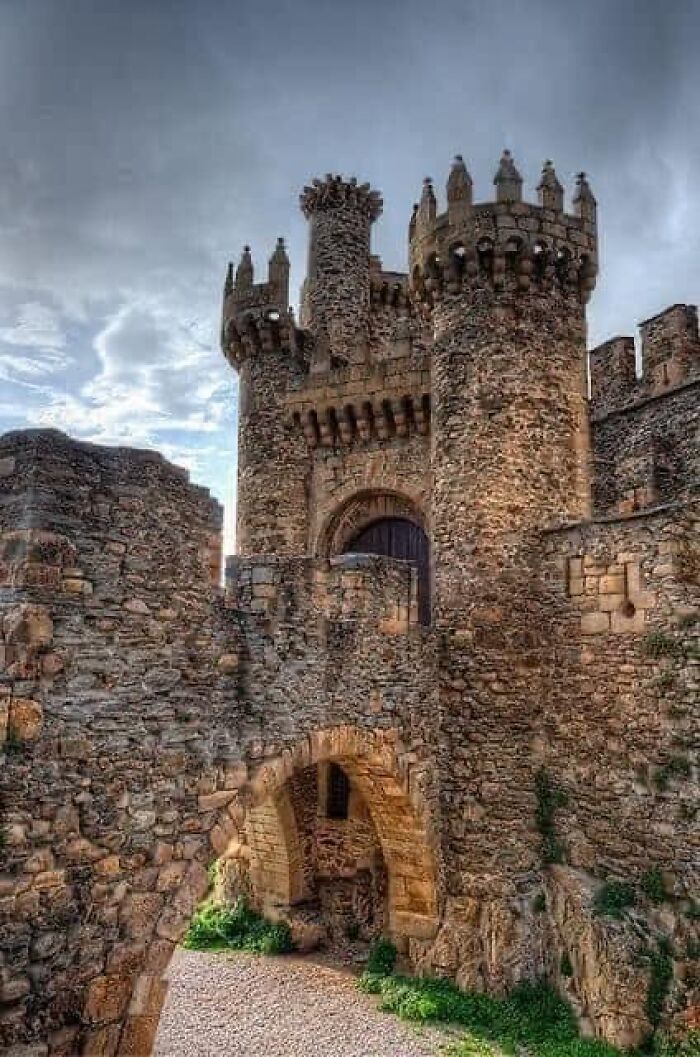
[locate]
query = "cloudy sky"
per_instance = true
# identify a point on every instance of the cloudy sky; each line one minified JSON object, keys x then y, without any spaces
{"x":144,"y":141}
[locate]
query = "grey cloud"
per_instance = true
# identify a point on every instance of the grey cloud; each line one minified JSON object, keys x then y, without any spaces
{"x":144,"y":142}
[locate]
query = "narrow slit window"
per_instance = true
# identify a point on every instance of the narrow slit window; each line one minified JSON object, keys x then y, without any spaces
{"x":338,"y":795}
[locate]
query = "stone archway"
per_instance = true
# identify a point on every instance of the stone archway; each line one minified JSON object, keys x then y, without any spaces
{"x":359,"y":510}
{"x":127,"y":1006}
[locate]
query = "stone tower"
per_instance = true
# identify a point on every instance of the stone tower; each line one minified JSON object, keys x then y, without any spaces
{"x":505,"y":285}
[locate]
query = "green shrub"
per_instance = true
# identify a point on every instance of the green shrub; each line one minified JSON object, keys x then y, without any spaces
{"x":533,"y":1019}
{"x":220,"y":927}
{"x":549,"y":800}
{"x":612,"y":898}
{"x":660,"y":644}
{"x":652,"y":884}
{"x":382,"y":958}
{"x":661,"y":975}
{"x":687,"y":1046}
{"x":565,"y":966}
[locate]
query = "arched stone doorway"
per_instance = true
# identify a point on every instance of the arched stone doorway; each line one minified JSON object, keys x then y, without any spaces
{"x":398,"y":537}
{"x":384,"y":523}
{"x":313,"y":857}
{"x":398,"y":798}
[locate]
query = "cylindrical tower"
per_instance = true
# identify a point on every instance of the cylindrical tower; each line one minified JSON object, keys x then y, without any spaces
{"x":505,"y":284}
{"x":336,"y":297}
{"x":260,"y":340}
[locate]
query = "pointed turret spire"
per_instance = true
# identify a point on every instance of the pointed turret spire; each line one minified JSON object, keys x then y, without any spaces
{"x":550,"y":192}
{"x":228,"y":282}
{"x":412,"y":221}
{"x":279,"y":255}
{"x":244,"y":272}
{"x":278,"y":272}
{"x":459,"y":182}
{"x":427,"y":208}
{"x":508,"y":181}
{"x":584,"y":201}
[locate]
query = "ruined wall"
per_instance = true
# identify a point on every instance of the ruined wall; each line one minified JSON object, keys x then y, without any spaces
{"x":139,"y":735}
{"x":645,"y":429}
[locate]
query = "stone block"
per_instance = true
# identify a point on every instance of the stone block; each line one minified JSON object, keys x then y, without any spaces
{"x":228,"y":663}
{"x":108,"y":997}
{"x":595,"y":623}
{"x":25,"y":720}
{"x":611,"y":585}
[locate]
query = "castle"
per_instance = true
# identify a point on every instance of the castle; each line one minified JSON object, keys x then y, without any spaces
{"x":450,"y":690}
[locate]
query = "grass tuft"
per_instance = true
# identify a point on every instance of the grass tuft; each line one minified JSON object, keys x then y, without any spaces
{"x":216,"y":927}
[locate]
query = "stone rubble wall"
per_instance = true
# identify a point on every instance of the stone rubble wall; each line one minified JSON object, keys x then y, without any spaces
{"x":138,"y":733}
{"x":646,"y":452}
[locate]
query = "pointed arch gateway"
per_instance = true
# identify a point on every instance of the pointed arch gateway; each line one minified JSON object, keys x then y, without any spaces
{"x":398,"y":794}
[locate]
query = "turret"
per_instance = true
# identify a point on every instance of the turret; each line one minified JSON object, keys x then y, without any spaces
{"x":336,"y":297}
{"x":247,"y":302}
{"x":260,"y":340}
{"x":504,"y":284}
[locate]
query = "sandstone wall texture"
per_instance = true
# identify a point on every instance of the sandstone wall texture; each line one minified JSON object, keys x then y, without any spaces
{"x":513,"y":768}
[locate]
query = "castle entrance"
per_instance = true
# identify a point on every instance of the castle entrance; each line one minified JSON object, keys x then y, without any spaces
{"x":332,"y":835}
{"x":397,"y":537}
{"x":315,"y":859}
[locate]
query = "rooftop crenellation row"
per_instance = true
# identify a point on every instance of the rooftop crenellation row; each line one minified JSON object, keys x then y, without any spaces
{"x":670,"y":356}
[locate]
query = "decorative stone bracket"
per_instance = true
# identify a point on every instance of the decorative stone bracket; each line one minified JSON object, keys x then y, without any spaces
{"x":381,"y":418}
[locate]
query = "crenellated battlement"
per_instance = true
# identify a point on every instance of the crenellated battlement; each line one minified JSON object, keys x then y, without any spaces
{"x":248,"y":335}
{"x":245,"y":299}
{"x":670,"y":357}
{"x":506,"y":244}
{"x":670,"y":347}
{"x":613,"y":375}
{"x":334,"y":193}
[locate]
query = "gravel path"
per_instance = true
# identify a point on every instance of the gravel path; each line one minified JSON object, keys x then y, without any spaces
{"x":240,"y":1005}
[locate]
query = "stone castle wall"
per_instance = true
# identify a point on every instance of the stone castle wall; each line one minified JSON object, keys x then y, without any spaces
{"x":507,"y":764}
{"x":645,"y":428}
{"x":146,"y":719}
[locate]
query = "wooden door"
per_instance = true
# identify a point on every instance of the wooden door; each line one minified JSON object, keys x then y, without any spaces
{"x":397,"y":537}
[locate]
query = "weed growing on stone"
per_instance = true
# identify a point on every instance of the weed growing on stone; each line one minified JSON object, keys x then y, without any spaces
{"x":660,"y":978}
{"x":613,"y":898}
{"x":533,"y":1020}
{"x":238,"y":927}
{"x":652,"y":884}
{"x":660,"y":644}
{"x":532,"y":1017}
{"x":688,"y":1046}
{"x":677,"y":767}
{"x":549,"y":800}
{"x":382,"y":958}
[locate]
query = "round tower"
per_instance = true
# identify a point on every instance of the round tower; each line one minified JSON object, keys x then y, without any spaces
{"x":336,"y":295}
{"x":505,"y":285}
{"x":260,"y":340}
